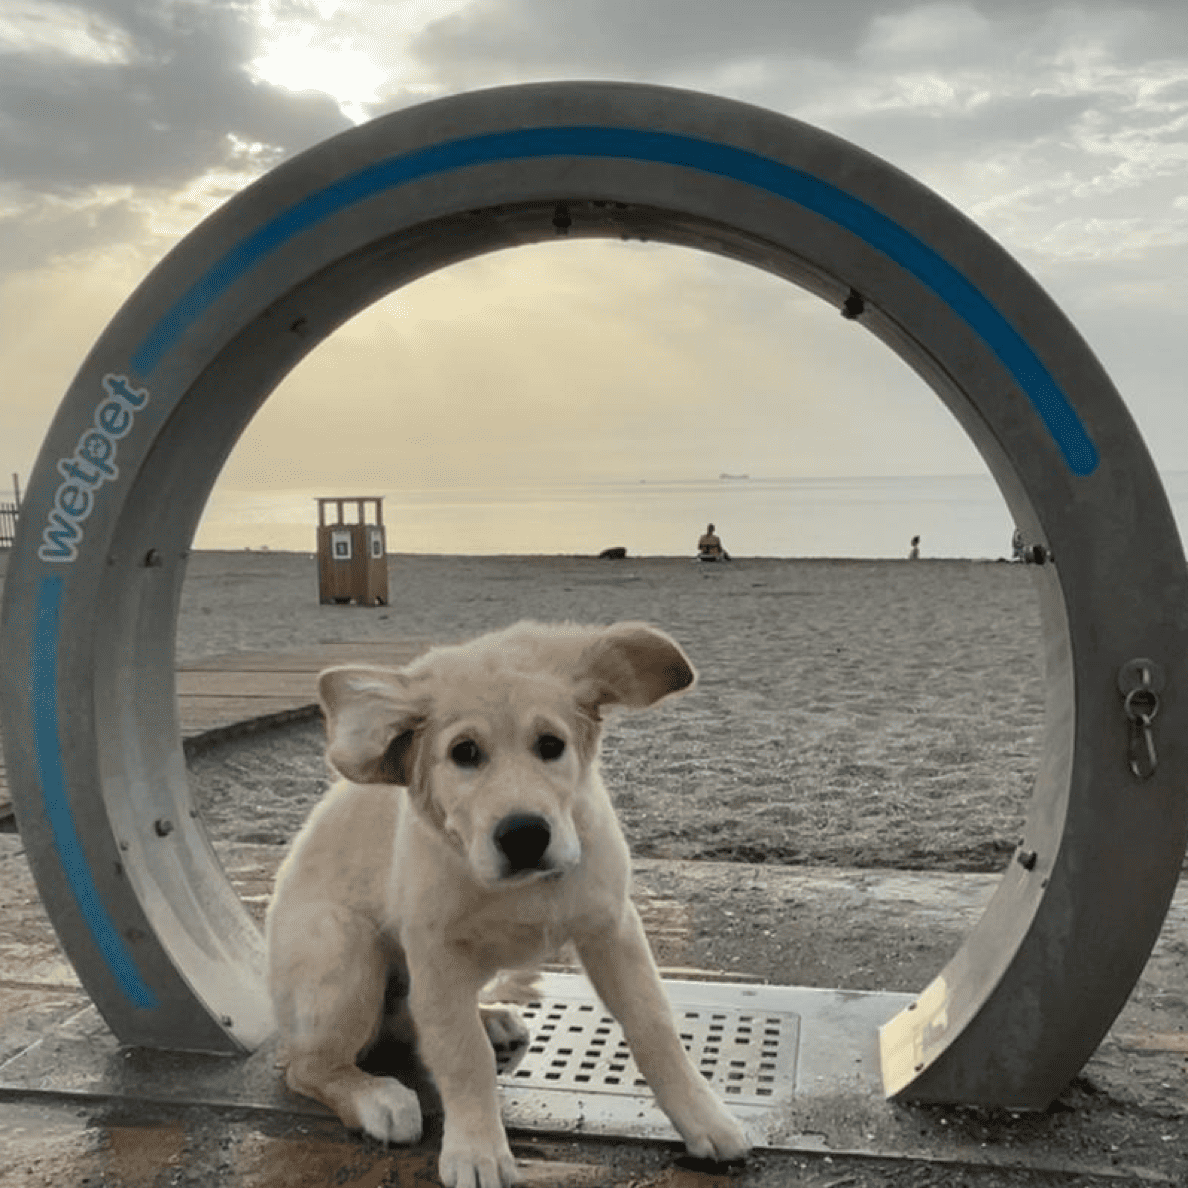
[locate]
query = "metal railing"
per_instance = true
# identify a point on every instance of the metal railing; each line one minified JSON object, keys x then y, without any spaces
{"x":9,"y":512}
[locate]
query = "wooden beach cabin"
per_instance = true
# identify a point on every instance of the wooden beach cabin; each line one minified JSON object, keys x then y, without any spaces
{"x":352,"y":552}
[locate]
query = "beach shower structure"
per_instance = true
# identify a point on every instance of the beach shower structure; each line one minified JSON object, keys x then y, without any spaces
{"x":145,"y":913}
{"x":352,"y":553}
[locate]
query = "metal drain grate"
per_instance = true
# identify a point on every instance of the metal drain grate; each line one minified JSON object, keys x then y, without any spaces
{"x":747,"y":1055}
{"x":768,"y":1052}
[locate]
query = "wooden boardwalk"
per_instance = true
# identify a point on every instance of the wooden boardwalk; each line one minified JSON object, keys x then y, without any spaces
{"x":224,"y":696}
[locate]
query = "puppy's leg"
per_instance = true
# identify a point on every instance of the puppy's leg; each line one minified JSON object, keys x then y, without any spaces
{"x":505,"y":1028}
{"x":327,"y":971}
{"x":454,"y":1047}
{"x":507,"y":1032}
{"x":621,"y":968}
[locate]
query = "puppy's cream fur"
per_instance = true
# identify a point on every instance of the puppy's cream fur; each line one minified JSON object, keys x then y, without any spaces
{"x":472,"y":834}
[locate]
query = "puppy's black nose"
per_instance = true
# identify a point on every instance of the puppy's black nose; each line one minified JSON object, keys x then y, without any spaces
{"x":522,"y":838}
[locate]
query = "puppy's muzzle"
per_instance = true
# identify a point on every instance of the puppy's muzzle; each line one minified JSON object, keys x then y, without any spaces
{"x":523,"y":840}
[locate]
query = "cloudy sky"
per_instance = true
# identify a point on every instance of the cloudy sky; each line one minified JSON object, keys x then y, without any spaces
{"x":1062,"y":128}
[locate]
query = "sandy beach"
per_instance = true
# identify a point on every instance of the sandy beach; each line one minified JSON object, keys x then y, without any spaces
{"x":875,"y":714}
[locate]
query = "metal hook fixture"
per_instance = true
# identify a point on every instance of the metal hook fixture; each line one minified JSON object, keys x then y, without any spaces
{"x":1140,"y":683}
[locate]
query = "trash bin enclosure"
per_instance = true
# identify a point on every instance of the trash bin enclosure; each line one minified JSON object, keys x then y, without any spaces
{"x":352,"y":556}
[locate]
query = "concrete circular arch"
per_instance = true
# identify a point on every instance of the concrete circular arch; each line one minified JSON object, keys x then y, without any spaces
{"x":158,"y":937}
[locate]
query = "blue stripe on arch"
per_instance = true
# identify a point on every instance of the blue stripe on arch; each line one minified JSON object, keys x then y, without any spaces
{"x":71,"y":858}
{"x":869,"y":224}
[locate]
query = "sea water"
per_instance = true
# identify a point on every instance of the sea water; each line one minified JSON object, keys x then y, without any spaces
{"x":955,"y":516}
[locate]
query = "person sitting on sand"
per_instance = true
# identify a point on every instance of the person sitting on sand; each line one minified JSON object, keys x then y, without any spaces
{"x":709,"y":546}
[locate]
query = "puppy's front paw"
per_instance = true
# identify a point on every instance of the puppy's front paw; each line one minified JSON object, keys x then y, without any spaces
{"x":508,"y":1034}
{"x":716,"y":1136}
{"x":389,"y":1111}
{"x":468,"y":1164}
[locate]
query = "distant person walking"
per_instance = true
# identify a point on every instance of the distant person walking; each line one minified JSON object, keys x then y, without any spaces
{"x":1018,"y":546}
{"x":914,"y":553}
{"x":709,"y":546}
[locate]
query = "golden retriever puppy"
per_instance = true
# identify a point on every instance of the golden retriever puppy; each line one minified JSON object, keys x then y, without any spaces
{"x":472,"y":834}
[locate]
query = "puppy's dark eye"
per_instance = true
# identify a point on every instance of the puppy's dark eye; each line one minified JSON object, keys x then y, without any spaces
{"x":466,"y":753}
{"x":549,"y":746}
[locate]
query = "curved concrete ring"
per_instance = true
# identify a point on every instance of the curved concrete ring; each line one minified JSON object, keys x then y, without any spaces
{"x":97,"y":771}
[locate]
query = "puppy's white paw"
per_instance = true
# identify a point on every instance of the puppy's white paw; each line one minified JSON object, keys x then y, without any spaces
{"x":467,"y":1164}
{"x":508,"y":1034}
{"x":718,"y":1137}
{"x":389,"y":1111}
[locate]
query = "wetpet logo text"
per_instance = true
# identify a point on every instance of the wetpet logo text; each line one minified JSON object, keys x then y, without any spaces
{"x":92,"y":464}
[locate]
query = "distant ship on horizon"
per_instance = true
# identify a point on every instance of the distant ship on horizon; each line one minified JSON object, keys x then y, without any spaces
{"x":724,"y":475}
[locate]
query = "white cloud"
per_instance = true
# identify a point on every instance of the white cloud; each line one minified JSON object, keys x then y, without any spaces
{"x":297,"y":63}
{"x":930,"y":31}
{"x":314,"y":57}
{"x":153,"y":118}
{"x":1060,"y":127}
{"x":41,"y":29}
{"x":1101,"y":239}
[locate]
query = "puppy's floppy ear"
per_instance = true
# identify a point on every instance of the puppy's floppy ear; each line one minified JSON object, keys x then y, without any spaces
{"x":634,"y":665}
{"x":372,"y":715}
